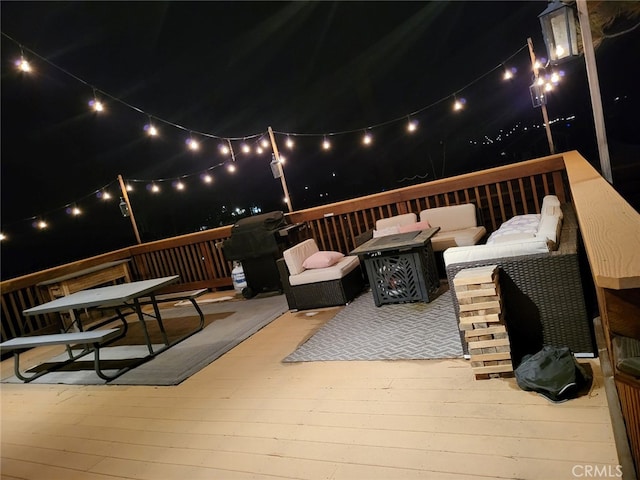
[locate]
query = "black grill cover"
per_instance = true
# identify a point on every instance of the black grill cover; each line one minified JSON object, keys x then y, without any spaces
{"x":254,"y":236}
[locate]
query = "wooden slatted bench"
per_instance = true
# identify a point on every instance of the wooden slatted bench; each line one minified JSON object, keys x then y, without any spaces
{"x":92,"y":340}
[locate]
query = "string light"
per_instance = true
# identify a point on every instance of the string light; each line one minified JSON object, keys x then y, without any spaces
{"x":2,"y":237}
{"x":151,"y":130}
{"x":41,"y":224}
{"x":192,"y":144}
{"x":75,"y":211}
{"x":206,"y":178}
{"x":459,"y":104}
{"x":227,"y":149}
{"x":22,"y":64}
{"x":509,"y":73}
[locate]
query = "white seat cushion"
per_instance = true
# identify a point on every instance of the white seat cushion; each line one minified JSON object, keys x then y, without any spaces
{"x":396,"y":221}
{"x":496,"y":250}
{"x":295,"y":256}
{"x":452,"y":217}
{"x":335,"y":272}
{"x":457,"y":238}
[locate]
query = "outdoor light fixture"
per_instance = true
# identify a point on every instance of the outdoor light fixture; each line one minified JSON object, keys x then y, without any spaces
{"x":124,"y":208}
{"x":276,"y":167}
{"x":560,"y":31}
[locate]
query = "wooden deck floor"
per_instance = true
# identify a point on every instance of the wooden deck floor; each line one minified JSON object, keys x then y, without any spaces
{"x":248,"y":415}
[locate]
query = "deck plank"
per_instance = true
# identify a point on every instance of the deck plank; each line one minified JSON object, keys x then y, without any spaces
{"x":248,"y":415}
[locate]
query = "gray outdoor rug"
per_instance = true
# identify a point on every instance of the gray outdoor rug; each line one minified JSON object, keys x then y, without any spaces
{"x":405,"y":331}
{"x":229,"y":323}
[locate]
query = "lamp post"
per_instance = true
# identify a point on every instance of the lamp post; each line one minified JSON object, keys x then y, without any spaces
{"x":125,"y":208}
{"x":539,"y":98}
{"x":278,"y":171}
{"x":560,"y":33}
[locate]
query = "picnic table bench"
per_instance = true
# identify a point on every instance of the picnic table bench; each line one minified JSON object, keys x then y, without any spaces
{"x":94,"y":338}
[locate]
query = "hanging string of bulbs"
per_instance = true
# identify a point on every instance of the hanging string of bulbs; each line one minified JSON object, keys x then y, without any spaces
{"x":243,"y":143}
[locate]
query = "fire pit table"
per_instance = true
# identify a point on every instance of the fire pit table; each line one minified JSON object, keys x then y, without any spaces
{"x":401,"y":268}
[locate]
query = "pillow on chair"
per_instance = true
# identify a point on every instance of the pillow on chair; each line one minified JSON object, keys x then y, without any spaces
{"x":322,"y":259}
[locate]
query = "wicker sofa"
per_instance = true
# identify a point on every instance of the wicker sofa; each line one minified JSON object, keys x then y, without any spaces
{"x":543,"y":295}
{"x":312,"y":287}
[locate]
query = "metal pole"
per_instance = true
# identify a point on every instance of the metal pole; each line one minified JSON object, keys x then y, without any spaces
{"x":545,"y":116}
{"x":274,"y":146}
{"x":594,"y":89}
{"x":125,"y":196}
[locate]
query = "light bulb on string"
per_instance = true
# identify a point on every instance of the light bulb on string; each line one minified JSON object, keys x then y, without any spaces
{"x":192,"y":144}
{"x":367,"y":138}
{"x":153,"y":188}
{"x":151,"y":130}
{"x":129,"y":187}
{"x":245,"y":148}
{"x":259,"y":150}
{"x":264,"y":143}
{"x":231,"y":168}
{"x":412,"y":125}
{"x":22,"y":64}
{"x":224,"y":149}
{"x":40,"y":224}
{"x":459,"y":104}
{"x":73,"y":210}
{"x":509,"y":73}
{"x":206,"y":177}
{"x":326,"y":144}
{"x":103,"y":195}
{"x":96,"y":105}
{"x":2,"y":237}
{"x":178,"y":185}
{"x":289,"y":142}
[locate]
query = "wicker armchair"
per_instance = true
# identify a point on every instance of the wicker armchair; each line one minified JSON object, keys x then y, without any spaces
{"x":543,"y":296}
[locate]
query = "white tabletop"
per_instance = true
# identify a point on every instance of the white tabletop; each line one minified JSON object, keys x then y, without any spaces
{"x":112,"y":295}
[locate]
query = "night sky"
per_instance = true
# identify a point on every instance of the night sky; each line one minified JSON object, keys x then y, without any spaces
{"x":229,"y":70}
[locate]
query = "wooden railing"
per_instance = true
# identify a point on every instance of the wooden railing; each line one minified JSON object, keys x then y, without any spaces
{"x":498,"y":193}
{"x":610,"y":229}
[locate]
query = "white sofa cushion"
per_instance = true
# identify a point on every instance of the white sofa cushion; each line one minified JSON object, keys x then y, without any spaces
{"x":457,"y":238}
{"x":335,"y":272}
{"x":551,"y":206}
{"x":484,"y":252}
{"x":512,"y":237}
{"x":396,"y":221}
{"x":383,"y":232}
{"x":295,"y":256}
{"x":549,"y":229}
{"x":517,"y":225}
{"x":452,"y":217}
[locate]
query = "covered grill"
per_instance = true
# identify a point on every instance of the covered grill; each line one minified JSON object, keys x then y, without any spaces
{"x":257,"y":242}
